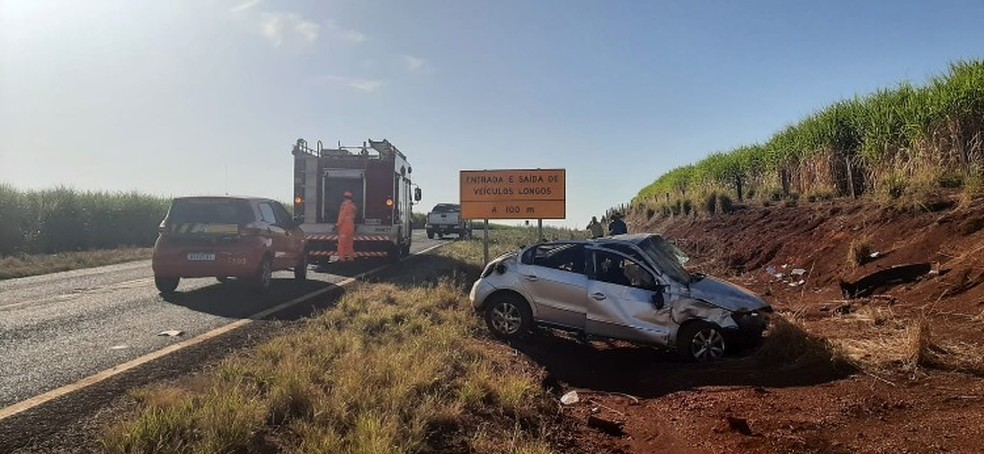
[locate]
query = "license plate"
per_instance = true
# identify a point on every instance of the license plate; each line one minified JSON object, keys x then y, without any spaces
{"x":201,"y":257}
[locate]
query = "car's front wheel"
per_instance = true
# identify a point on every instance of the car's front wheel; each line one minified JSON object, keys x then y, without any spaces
{"x":508,"y":317}
{"x":430,"y":234}
{"x":166,"y":285}
{"x":301,"y":269}
{"x":701,"y":342}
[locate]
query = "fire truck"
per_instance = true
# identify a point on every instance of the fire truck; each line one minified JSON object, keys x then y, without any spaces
{"x":378,"y":176}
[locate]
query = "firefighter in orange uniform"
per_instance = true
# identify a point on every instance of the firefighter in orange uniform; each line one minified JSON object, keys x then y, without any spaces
{"x":346,"y":229}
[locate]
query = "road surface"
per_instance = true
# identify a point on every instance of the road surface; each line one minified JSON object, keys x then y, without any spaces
{"x":58,"y":328}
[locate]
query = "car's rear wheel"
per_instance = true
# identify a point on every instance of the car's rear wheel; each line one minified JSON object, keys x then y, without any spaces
{"x":301,"y":269}
{"x":261,"y":283}
{"x":430,"y":234}
{"x":508,"y":316}
{"x":166,"y":285}
{"x":701,"y":342}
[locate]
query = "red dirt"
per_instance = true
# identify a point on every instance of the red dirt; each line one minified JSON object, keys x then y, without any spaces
{"x":740,"y":405}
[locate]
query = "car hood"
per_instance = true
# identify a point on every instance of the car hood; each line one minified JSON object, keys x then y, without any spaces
{"x":725,"y":295}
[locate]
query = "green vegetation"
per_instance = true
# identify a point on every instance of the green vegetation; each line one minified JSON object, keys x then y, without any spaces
{"x":32,"y":265}
{"x":60,"y":220}
{"x":403,"y":366}
{"x":891,"y":143}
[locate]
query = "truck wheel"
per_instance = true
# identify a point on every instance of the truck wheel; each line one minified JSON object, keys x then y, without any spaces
{"x":166,"y":285}
{"x":261,"y":282}
{"x":430,"y":234}
{"x":405,"y":249}
{"x":393,"y":255}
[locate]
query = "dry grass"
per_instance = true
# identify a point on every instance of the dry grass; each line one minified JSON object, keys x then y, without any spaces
{"x":32,"y":265}
{"x":389,"y":369}
{"x":789,"y":345}
{"x":885,"y":341}
{"x":859,"y":253}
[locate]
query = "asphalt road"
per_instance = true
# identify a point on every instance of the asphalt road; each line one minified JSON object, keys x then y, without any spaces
{"x":58,"y":328}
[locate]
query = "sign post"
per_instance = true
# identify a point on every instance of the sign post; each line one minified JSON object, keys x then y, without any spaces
{"x":513,"y":194}
{"x":485,"y":242}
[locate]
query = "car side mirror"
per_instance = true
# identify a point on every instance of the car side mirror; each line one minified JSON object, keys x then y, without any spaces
{"x":658,"y":298}
{"x":417,"y":194}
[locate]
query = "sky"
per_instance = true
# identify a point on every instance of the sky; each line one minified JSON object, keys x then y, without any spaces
{"x":184,"y":97}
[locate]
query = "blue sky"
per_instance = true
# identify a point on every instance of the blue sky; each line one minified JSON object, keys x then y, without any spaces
{"x":168,"y":97}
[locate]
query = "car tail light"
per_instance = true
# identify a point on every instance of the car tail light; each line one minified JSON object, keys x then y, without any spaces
{"x":250,"y":230}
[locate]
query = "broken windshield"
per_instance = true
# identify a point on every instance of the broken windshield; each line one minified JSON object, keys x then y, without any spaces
{"x":667,"y":258}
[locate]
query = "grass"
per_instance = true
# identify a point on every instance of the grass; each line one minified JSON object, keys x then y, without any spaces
{"x":65,"y":220}
{"x":881,"y":340}
{"x":32,"y":265}
{"x":895,"y":141}
{"x":859,"y":253}
{"x":789,"y":345}
{"x":390,"y":368}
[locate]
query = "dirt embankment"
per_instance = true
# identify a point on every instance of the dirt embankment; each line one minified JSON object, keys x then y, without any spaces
{"x":906,"y":354}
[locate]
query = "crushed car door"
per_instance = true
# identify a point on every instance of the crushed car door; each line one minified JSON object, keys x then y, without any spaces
{"x":553,"y":276}
{"x":625,"y":300}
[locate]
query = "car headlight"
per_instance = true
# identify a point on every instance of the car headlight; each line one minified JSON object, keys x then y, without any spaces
{"x":488,"y":270}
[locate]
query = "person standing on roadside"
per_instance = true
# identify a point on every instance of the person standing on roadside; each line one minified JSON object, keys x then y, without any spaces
{"x":617,"y":227}
{"x":595,"y":228}
{"x":346,"y":229}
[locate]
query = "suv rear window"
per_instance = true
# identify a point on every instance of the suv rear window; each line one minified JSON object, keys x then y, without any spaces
{"x":210,"y":211}
{"x":446,"y":208}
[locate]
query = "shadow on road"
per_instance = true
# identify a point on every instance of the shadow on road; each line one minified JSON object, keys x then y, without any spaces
{"x":238,"y":300}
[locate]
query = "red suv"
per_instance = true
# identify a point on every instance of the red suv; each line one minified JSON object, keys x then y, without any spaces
{"x":223,"y":237}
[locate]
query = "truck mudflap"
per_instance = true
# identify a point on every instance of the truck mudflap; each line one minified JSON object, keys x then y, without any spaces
{"x":323,"y":247}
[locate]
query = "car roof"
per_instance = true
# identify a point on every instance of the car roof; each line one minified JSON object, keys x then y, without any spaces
{"x":227,"y":197}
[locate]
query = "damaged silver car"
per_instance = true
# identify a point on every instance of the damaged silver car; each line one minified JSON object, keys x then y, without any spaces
{"x":628,"y":287}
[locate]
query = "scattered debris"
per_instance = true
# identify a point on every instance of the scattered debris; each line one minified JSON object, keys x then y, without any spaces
{"x":570,"y":398}
{"x":874,"y":255}
{"x":610,"y":427}
{"x":793,"y":279}
{"x":897,"y":274}
{"x":171,"y":333}
{"x":119,"y":347}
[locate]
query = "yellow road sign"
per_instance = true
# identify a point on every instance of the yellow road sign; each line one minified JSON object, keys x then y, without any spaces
{"x":513,"y":194}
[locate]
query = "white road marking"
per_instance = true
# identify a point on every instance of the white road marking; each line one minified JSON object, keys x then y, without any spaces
{"x":82,"y":292}
{"x":118,"y":369}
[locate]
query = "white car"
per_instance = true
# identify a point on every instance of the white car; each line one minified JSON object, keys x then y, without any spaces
{"x":628,"y":287}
